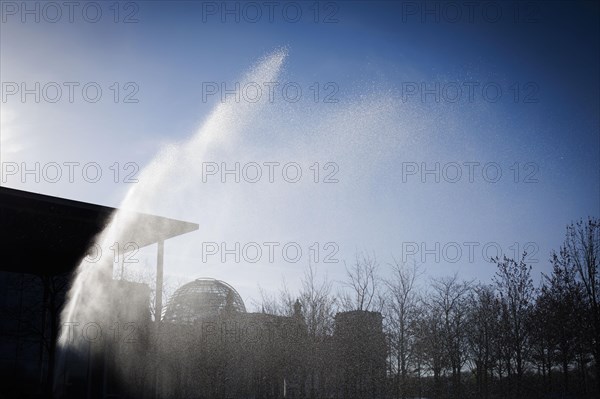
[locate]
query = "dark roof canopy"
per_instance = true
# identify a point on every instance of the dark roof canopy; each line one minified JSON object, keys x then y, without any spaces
{"x":49,"y":235}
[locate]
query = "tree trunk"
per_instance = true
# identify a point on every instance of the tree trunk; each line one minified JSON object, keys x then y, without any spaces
{"x":565,"y":367}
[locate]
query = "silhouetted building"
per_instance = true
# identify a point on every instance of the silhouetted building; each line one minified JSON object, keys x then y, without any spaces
{"x":42,"y":240}
{"x":206,"y":345}
{"x":361,"y":353}
{"x":209,"y":346}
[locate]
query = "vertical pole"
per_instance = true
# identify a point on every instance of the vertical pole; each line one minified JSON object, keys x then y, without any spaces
{"x":159,"y":281}
{"x":158,"y":312}
{"x":89,"y":371}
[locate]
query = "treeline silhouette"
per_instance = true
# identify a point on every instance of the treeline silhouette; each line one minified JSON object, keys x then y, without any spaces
{"x":451,"y":338}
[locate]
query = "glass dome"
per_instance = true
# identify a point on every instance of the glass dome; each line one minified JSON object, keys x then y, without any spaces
{"x":204,"y":297}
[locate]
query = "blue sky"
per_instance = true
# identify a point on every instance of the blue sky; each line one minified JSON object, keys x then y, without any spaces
{"x":371,"y":52}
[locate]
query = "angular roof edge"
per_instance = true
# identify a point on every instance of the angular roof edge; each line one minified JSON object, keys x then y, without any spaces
{"x":40,"y":229}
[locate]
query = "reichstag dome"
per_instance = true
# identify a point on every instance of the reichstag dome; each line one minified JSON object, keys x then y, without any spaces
{"x":202,"y":298}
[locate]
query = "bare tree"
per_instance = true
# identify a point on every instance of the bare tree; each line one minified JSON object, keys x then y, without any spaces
{"x":450,"y":296}
{"x":482,"y":334}
{"x":316,"y":306}
{"x":362,"y":285}
{"x":516,"y":293}
{"x":318,"y":309}
{"x":147,"y":275}
{"x":280,"y":303}
{"x":318,"y":303}
{"x":582,"y":246}
{"x":559,"y":311}
{"x":401,"y":311}
{"x":430,"y":344}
